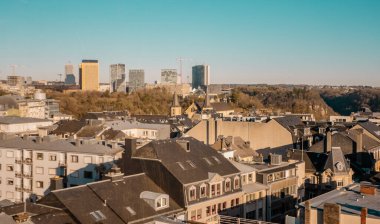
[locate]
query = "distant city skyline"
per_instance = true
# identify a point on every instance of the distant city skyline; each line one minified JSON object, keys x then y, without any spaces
{"x":275,"y":42}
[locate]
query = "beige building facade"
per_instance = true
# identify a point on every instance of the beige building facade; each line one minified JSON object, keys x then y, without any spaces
{"x":89,"y":75}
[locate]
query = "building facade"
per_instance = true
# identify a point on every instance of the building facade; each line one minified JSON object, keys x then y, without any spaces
{"x":89,"y":75}
{"x":169,"y":76}
{"x":69,"y":75}
{"x":117,"y":78}
{"x":136,"y":79}
{"x":200,"y":76}
{"x":28,"y":165}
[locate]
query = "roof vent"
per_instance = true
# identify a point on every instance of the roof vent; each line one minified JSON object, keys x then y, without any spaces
{"x":184,"y":144}
{"x":275,"y":159}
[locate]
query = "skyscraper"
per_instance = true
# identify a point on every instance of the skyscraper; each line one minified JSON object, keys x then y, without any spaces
{"x":89,"y":75}
{"x":69,"y":74}
{"x":201,"y":76}
{"x":169,"y":76}
{"x":136,"y":79}
{"x":117,"y":78}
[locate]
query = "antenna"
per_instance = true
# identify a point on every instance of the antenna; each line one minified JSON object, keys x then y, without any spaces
{"x":180,"y":60}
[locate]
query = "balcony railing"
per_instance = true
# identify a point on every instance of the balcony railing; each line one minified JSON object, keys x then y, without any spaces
{"x":27,"y":190}
{"x":18,"y":160}
{"x":18,"y":174}
{"x":18,"y":188}
{"x":27,"y":175}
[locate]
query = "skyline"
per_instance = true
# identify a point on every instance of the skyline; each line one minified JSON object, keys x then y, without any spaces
{"x":275,"y":42}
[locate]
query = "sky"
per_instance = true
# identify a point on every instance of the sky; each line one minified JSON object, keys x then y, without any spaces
{"x":317,"y":42}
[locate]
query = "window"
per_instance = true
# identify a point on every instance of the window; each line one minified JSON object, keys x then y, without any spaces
{"x":199,"y":213}
{"x":203,"y":191}
{"x":98,"y":216}
{"x":101,"y":160}
{"x":74,"y":159}
{"x":236,"y":183}
{"x":192,"y":193}
{"x":340,"y":183}
{"x":39,"y":170}
{"x":208,"y":210}
{"x":228,"y":184}
{"x":40,"y":156}
{"x":191,"y":164}
{"x":232,"y":203}
{"x":250,"y":177}
{"x":244,"y":179}
{"x":216,"y":160}
{"x":208,"y":161}
{"x":52,"y":157}
{"x":237,"y":201}
{"x":162,"y":203}
{"x":87,"y":174}
{"x":39,"y":184}
{"x":10,"y":154}
{"x":181,"y":165}
{"x":9,"y":181}
{"x":9,"y":167}
{"x":213,"y":211}
{"x":224,"y":205}
{"x":52,"y":171}
{"x":74,"y":174}
{"x":87,"y":159}
{"x":193,"y":215}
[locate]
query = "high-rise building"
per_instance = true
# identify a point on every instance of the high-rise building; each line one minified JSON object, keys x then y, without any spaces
{"x":117,"y":78}
{"x":14,"y":80}
{"x":201,"y":76}
{"x":136,"y":79}
{"x":69,"y":74}
{"x":89,"y":75}
{"x":169,"y":76}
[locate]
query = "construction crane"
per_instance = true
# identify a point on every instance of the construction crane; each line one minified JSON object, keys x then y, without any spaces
{"x":180,"y":60}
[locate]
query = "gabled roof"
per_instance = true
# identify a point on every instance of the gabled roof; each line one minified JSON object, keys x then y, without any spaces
{"x":118,"y":201}
{"x":290,"y":122}
{"x":69,"y":127}
{"x":187,"y":166}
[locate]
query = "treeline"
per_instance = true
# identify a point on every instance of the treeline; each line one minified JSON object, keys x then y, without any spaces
{"x":279,"y":99}
{"x":344,"y":102}
{"x":154,"y":101}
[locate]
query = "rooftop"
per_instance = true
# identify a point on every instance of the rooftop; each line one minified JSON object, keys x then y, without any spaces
{"x":20,"y":120}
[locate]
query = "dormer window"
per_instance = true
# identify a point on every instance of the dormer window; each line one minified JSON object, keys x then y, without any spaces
{"x":250,"y":177}
{"x":157,"y":201}
{"x":192,"y":193}
{"x":228,"y":184}
{"x":236,"y":183}
{"x":203,"y":191}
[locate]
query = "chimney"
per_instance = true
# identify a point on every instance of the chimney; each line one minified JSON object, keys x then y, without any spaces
{"x":184,"y":144}
{"x":114,"y":174}
{"x":363,"y":216}
{"x":56,"y":183}
{"x":114,"y":145}
{"x":367,"y":188}
{"x":331,"y":213}
{"x":307,"y":212}
{"x":328,"y":143}
{"x":359,"y":141}
{"x":130,"y":147}
{"x":77,"y":142}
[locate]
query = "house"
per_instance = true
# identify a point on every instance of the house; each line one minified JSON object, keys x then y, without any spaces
{"x":370,"y":129}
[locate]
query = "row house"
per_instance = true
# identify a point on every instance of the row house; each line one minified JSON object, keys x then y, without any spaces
{"x":31,"y":167}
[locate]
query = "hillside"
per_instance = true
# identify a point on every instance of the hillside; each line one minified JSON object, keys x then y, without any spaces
{"x":345,"y":101}
{"x":279,"y":99}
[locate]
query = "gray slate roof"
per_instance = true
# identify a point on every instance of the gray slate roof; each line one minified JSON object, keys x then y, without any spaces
{"x":19,"y":120}
{"x":205,"y":159}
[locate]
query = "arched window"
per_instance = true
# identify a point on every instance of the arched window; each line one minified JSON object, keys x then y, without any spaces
{"x":227,"y":184}
{"x":236,"y":183}
{"x":192,"y":193}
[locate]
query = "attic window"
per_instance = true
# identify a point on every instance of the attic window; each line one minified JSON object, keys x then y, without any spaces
{"x":98,"y":216}
{"x":131,"y":211}
{"x":208,"y":161}
{"x":216,"y":160}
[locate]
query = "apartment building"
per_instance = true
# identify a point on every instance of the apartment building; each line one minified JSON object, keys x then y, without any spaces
{"x":285,"y":182}
{"x":30,"y":167}
{"x":22,"y":125}
{"x":197,"y":177}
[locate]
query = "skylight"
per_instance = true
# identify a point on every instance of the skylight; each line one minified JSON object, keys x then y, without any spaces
{"x":191,"y":163}
{"x":181,"y":165}
{"x":208,"y":161}
{"x":130,"y":210}
{"x":98,"y":216}
{"x":216,"y":160}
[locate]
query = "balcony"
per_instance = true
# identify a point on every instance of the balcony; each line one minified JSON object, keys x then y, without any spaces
{"x":28,"y":161}
{"x":18,"y":188}
{"x":61,"y":164}
{"x":27,"y":190}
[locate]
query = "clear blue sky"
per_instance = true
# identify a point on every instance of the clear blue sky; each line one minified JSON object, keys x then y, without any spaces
{"x":244,"y":41}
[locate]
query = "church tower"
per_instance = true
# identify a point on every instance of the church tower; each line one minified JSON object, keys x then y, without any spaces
{"x":175,"y":109}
